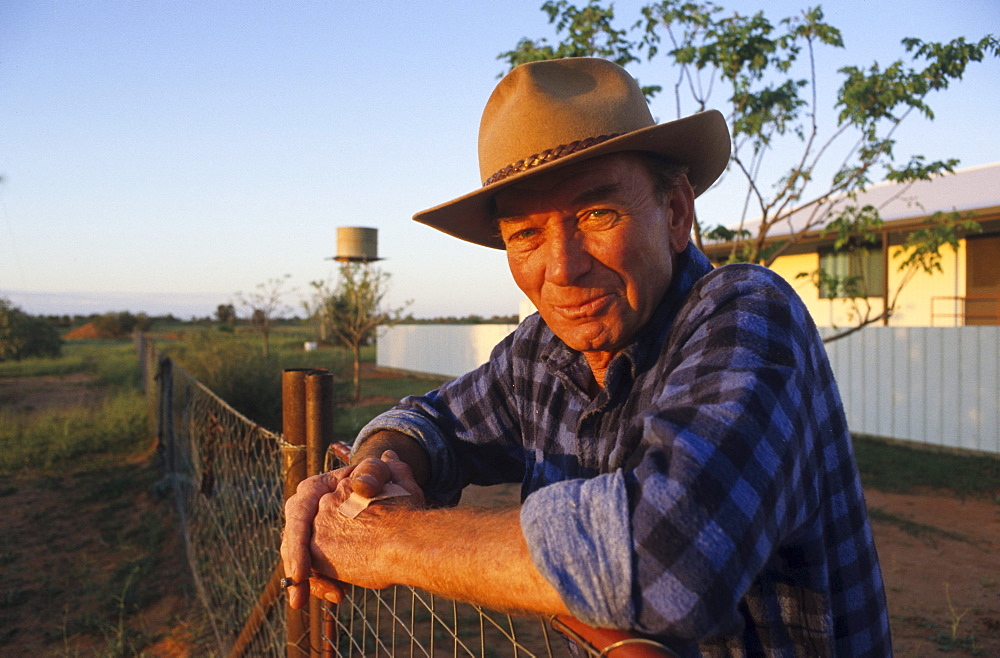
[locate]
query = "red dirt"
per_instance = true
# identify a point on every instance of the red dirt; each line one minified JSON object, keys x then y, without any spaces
{"x":86,"y":332}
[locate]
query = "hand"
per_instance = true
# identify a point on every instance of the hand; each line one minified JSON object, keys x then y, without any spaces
{"x":367,"y":478}
{"x":342,"y":547}
{"x":300,"y":511}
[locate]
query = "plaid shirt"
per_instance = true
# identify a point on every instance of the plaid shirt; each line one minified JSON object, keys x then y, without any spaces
{"x":707,"y":496}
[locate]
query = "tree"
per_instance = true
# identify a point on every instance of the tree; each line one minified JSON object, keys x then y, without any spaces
{"x":117,"y":325}
{"x":353,"y":309}
{"x":225,"y":315}
{"x":766,"y":73}
{"x":264,"y":305}
{"x":23,"y":336}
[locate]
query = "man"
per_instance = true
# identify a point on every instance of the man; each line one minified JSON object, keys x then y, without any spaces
{"x":684,"y":458}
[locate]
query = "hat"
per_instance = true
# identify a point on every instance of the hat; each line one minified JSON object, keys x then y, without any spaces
{"x":549,"y":114}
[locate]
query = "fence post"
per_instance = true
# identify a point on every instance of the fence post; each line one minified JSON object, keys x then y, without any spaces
{"x":319,"y":435}
{"x":293,"y":428}
{"x":165,"y":422}
{"x":319,"y":418}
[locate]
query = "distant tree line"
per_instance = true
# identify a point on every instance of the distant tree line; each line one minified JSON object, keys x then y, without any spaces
{"x":465,"y":319}
{"x":121,"y":324}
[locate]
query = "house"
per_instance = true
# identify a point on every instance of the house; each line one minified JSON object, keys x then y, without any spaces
{"x":965,"y":292}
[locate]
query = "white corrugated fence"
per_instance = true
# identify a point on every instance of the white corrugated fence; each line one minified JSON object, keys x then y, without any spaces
{"x":938,"y":386}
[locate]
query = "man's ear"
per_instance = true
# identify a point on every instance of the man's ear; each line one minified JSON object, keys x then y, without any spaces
{"x":681,"y":205}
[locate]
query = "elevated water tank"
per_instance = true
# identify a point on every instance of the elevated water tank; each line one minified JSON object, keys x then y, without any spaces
{"x":357,"y":244}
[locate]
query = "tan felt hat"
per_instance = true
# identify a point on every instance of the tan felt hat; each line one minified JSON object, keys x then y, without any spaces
{"x":548,"y":114}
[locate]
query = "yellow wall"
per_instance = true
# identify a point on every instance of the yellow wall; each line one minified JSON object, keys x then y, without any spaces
{"x":913,"y":309}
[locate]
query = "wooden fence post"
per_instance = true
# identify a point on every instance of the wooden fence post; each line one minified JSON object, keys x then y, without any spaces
{"x":165,"y":422}
{"x":293,"y":429}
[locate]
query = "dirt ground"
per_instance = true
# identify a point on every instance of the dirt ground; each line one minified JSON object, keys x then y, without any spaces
{"x":940,"y":556}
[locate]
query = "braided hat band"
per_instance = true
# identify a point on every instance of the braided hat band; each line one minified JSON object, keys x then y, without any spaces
{"x":546,"y":156}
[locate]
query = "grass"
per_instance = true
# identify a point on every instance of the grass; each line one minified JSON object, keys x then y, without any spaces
{"x":350,"y":417}
{"x":84,"y":470}
{"x":52,"y":438}
{"x":235,"y":368}
{"x":55,"y":438}
{"x":112,"y":362}
{"x":903,"y":469}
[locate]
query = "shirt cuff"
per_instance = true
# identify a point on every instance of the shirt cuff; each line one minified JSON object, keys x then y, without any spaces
{"x":444,"y":484}
{"x":579,"y":537}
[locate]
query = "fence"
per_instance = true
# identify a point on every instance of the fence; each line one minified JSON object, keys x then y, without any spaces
{"x":439,"y":349}
{"x":938,"y":386}
{"x":229,"y":479}
{"x":226,"y":474}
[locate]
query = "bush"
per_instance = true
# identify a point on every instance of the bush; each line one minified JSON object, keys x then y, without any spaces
{"x":118,"y":325}
{"x":23,"y":335}
{"x":236,"y":372}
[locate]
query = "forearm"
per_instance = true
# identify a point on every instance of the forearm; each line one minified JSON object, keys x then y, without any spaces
{"x":478,"y":556}
{"x":466,"y":554}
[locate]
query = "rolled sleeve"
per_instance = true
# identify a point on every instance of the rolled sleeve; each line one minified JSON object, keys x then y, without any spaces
{"x":445,"y":482}
{"x":579,"y":538}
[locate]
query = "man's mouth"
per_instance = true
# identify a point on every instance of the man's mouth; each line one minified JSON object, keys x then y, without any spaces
{"x":578,"y":310}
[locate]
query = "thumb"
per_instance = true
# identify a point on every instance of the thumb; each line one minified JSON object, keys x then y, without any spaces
{"x":369,"y":476}
{"x":402,"y":475}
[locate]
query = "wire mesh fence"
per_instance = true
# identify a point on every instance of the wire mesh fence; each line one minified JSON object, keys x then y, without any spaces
{"x":226,"y":476}
{"x":229,"y":479}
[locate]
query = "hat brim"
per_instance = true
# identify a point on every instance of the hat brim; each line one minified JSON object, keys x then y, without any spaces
{"x":700,"y":141}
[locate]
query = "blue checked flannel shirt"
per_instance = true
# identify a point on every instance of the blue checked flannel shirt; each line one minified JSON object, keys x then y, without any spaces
{"x":707,"y":496}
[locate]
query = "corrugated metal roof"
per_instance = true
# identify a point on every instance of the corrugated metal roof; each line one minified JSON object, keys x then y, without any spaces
{"x":968,"y":189}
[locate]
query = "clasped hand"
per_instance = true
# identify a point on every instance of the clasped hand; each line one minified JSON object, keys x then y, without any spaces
{"x":322,"y":549}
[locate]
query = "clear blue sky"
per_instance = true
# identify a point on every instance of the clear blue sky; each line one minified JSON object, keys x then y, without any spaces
{"x":161,"y":156}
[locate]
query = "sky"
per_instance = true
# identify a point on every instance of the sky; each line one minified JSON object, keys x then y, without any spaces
{"x":164,"y":156}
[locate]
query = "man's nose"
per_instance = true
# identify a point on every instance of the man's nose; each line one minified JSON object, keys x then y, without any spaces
{"x":568,"y":259}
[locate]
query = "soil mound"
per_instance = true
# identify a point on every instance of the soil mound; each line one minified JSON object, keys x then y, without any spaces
{"x":86,"y":332}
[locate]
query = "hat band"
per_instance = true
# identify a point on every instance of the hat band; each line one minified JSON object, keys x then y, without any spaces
{"x":546,"y":156}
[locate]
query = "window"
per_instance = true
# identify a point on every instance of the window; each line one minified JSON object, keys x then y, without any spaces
{"x":982,"y":301}
{"x":852,"y":272}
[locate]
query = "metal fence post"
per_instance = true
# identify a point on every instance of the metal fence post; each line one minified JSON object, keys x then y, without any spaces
{"x":319,"y":435}
{"x":293,"y":428}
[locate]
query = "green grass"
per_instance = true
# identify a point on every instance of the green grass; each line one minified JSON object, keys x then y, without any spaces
{"x":113,"y":363}
{"x":900,"y":468}
{"x":54,"y":438}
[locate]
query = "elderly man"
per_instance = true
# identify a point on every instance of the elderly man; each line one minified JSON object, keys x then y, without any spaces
{"x":685,"y":466}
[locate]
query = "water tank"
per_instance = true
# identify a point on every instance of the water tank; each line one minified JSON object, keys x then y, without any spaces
{"x":357,"y":243}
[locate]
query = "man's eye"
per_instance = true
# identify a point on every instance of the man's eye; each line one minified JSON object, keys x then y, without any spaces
{"x":599,"y":217}
{"x":523,"y":234}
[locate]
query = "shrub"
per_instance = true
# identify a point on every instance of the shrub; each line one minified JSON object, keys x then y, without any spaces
{"x":23,"y":335}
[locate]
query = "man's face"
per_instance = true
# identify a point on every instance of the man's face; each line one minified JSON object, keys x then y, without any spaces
{"x":592,"y":246}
